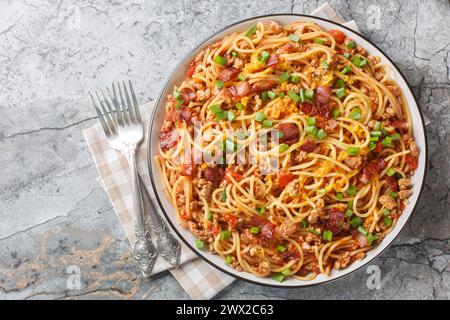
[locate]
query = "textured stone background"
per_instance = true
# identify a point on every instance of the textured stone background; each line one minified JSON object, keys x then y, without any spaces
{"x":54,"y":217}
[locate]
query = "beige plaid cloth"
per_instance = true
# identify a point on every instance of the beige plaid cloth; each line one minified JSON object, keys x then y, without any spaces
{"x":198,"y":278}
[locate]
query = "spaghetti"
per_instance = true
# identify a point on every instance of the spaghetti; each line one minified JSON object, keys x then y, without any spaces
{"x":340,"y":132}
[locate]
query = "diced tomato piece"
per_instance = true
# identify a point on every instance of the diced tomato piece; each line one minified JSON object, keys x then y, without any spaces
{"x":191,"y":69}
{"x":232,"y":220}
{"x":412,"y":162}
{"x":379,"y":146}
{"x":338,"y":35}
{"x":393,"y":183}
{"x":187,"y":169}
{"x":290,"y":255}
{"x":168,"y":139}
{"x":187,"y":95}
{"x":273,"y":60}
{"x":184,"y":215}
{"x":285,"y":178}
{"x":215,"y":229}
{"x":399,"y":124}
{"x":236,"y":176}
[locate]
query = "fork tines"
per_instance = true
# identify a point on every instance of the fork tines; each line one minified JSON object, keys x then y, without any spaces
{"x":116,"y":109}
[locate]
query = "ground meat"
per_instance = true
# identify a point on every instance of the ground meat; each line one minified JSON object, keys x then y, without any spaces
{"x":275,"y":26}
{"x":259,"y":192}
{"x":389,"y":113}
{"x":414,"y":149}
{"x":238,"y":63}
{"x":313,"y":240}
{"x":202,"y":95}
{"x":286,"y":229}
{"x":353,"y":162}
{"x":404,"y":194}
{"x":206,"y":188}
{"x":199,"y":233}
{"x":300,"y":157}
{"x":394,"y":89}
{"x":404,"y":184}
{"x":320,"y":203}
{"x":343,"y":261}
{"x":314,"y":215}
{"x":388,"y":202}
{"x":264,"y":85}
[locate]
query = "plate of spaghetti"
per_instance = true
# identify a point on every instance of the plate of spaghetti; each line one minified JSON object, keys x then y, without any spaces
{"x":287,"y":150}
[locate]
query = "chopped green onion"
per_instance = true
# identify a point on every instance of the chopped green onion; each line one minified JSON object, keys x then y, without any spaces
{"x":281,"y":248}
{"x":372,"y":145}
{"x":225,"y":234}
{"x":324,"y":64}
{"x":339,"y":195}
{"x":234,"y":54}
{"x":231,"y":116}
{"x":311,"y":121}
{"x":240,"y":106}
{"x":199,"y":244}
{"x":220,"y":60}
{"x":286,"y":272}
{"x":322,"y":191}
{"x":284,"y":147}
{"x":390,"y":172}
{"x":302,"y":95}
{"x":349,"y":213}
{"x":313,"y":231}
{"x":260,"y":210}
{"x":340,"y":93}
{"x":340,"y":83}
{"x":346,"y":69}
{"x":294,"y":79}
{"x":387,"y":221}
{"x":284,"y":76}
{"x":278,"y":277}
{"x":393,"y":194}
{"x":215,"y":108}
{"x":260,"y":116}
{"x":395,"y":136}
{"x":242,"y":76}
{"x":353,"y":151}
{"x":267,"y":123}
{"x":210,"y":216}
{"x":271,"y":94}
{"x":384,"y":132}
{"x":350,"y":204}
{"x":224,"y":196}
{"x":371,"y":238}
{"x":254,"y":229}
{"x":385,"y":212}
{"x":241,"y":135}
{"x":387,"y":142}
{"x":355,"y":222}
{"x":355,"y":114}
{"x":219,"y":84}
{"x":176,"y":94}
{"x":294,"y":96}
{"x":230,"y":145}
{"x":358,"y":61}
{"x":327,"y":235}
{"x":351,"y":44}
{"x":377,"y":126}
{"x":304,"y":224}
{"x":346,"y":55}
{"x":375,"y":133}
{"x":319,"y":41}
{"x":179,"y":102}
{"x":281,"y":94}
{"x":351,"y":190}
{"x":335,"y":113}
{"x":264,"y":96}
{"x":321,"y":134}
{"x":309,"y":94}
{"x":264,"y":56}
{"x":251,"y":31}
{"x":294,"y":37}
{"x":362,"y":230}
{"x":228,"y":260}
{"x":374,"y":139}
{"x":312,"y":130}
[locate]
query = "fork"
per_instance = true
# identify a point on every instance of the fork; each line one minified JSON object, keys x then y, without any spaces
{"x":121,"y":121}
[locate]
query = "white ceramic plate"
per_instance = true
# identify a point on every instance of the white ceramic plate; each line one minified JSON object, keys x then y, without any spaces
{"x":179,"y":75}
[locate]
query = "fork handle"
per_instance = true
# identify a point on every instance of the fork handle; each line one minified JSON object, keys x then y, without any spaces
{"x":144,"y":251}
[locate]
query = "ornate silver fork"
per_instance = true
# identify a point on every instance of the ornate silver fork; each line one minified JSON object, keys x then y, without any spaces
{"x":124,"y":130}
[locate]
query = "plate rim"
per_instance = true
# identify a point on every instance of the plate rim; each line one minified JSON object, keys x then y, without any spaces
{"x":172,"y":223}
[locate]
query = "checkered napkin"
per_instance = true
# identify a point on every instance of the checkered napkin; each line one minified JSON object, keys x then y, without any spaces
{"x":198,"y":279}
